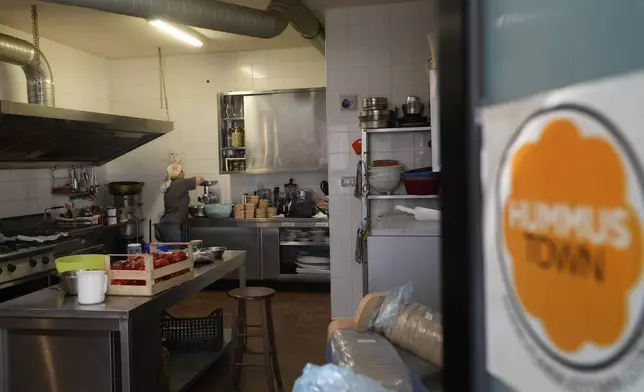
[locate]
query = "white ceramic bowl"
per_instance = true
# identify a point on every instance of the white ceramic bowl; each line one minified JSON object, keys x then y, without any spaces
{"x":386,"y":169}
{"x":380,"y":173}
{"x":387,"y":185}
{"x":384,"y":174}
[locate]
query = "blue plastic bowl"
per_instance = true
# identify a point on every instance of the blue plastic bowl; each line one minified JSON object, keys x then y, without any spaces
{"x":423,"y":172}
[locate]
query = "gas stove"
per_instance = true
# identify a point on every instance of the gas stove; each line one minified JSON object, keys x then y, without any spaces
{"x":16,"y":270}
{"x":23,"y":261}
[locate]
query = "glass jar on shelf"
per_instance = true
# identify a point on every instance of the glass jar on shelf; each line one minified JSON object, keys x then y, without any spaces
{"x":238,"y":137}
{"x":229,"y":137}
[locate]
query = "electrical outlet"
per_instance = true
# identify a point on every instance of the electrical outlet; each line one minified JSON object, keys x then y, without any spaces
{"x":348,"y":102}
{"x":348,"y":181}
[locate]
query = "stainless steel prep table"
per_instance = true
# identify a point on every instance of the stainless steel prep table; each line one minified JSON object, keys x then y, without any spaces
{"x":49,"y":342}
{"x":259,"y":237}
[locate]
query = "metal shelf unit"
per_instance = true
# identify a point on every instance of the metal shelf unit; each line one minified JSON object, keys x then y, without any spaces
{"x":397,"y":197}
{"x":365,"y":193}
{"x":397,"y":129}
{"x":303,"y":243}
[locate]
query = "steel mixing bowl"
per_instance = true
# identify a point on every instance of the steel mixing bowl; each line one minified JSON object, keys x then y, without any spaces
{"x":69,"y":282}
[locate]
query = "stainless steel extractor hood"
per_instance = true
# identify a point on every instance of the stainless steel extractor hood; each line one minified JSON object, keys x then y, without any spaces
{"x":37,"y":134}
{"x":42,"y":136}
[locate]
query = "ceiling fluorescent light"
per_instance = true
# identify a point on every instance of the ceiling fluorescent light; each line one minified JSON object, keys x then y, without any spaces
{"x":176,"y":32}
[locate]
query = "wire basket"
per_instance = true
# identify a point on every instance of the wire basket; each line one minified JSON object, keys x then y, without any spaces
{"x":200,"y":334}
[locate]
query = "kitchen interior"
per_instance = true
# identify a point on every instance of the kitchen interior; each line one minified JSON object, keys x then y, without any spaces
{"x":319,"y":151}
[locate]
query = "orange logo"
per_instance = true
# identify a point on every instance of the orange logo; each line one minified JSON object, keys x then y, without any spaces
{"x":573,"y":237}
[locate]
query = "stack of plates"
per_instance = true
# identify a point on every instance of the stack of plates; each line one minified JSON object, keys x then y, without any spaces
{"x":303,"y":236}
{"x":319,"y":235}
{"x":312,"y":264}
{"x":289,"y":235}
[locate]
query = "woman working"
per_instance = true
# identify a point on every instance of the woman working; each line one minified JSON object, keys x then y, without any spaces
{"x":176,"y":198}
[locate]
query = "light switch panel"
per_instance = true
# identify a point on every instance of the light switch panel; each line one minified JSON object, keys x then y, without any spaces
{"x":348,"y":102}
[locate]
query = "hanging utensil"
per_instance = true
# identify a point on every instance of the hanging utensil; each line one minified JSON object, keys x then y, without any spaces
{"x":357,"y":191}
{"x":73,"y":181}
{"x":361,"y":246}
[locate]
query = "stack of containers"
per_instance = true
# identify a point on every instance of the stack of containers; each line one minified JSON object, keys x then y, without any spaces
{"x":239,"y":211}
{"x":249,"y":210}
{"x":376,"y":114}
{"x":262,"y":207}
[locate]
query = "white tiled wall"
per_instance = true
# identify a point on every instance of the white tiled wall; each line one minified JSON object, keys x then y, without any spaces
{"x":193,"y":83}
{"x":81,"y":81}
{"x":371,"y":51}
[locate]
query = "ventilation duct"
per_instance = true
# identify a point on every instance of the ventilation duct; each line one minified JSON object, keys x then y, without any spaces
{"x":40,"y":81}
{"x":218,"y":15}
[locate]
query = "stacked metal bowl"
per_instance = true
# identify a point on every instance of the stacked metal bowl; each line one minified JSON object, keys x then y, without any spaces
{"x":376,"y":114}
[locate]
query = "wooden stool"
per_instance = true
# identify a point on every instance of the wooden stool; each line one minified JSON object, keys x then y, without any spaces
{"x":240,"y":335}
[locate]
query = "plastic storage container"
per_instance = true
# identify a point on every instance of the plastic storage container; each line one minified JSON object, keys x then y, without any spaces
{"x":200,"y":334}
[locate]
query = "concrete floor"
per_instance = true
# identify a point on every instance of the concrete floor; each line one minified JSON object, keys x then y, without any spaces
{"x":300,"y":322}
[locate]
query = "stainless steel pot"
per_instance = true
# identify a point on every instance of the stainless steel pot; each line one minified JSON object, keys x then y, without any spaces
{"x":377,"y":103}
{"x":375,"y":124}
{"x":197,"y":211}
{"x":413,"y":108}
{"x":124,"y":188}
{"x":129,"y":201}
{"x":69,"y":282}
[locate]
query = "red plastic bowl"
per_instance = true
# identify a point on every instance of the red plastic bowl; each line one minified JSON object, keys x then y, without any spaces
{"x":421,"y":186}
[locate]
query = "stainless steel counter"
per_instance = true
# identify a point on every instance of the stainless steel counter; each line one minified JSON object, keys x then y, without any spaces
{"x":48,"y":342}
{"x":53,"y":303}
{"x":261,"y":239}
{"x":259,"y":222}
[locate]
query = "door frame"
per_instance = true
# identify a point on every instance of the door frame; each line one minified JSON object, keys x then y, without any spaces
{"x":459,"y":75}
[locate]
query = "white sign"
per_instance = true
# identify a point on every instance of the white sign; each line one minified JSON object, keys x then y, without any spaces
{"x":563,"y":231}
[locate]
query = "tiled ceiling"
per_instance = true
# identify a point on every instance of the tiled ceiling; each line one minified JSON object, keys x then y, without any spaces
{"x":117,"y":36}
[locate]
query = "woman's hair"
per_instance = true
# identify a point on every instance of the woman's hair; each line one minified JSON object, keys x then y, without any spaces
{"x":171,"y":172}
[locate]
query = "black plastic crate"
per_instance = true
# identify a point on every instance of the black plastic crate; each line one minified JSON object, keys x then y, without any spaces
{"x":200,"y":334}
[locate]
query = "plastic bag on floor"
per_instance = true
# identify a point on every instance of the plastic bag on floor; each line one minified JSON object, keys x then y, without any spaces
{"x":370,"y":354}
{"x":387,"y":314}
{"x":333,"y":378}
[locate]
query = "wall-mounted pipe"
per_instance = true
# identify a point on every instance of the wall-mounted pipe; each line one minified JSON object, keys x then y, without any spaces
{"x":40,"y":81}
{"x":218,"y":15}
{"x":302,"y":19}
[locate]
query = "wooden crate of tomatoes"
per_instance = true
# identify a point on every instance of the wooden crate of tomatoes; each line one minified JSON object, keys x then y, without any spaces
{"x":150,"y":274}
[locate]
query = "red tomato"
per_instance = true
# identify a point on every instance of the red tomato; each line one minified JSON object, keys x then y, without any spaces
{"x":117,"y":265}
{"x":128,"y":265}
{"x":139,"y":266}
{"x":176,"y":257}
{"x":117,"y":282}
{"x":160,"y":263}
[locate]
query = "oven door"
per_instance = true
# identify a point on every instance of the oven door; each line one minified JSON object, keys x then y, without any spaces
{"x":22,"y":287}
{"x":19,"y":288}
